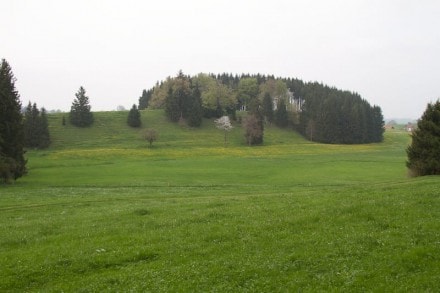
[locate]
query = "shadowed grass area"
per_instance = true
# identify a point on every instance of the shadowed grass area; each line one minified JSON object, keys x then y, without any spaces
{"x":99,"y":211}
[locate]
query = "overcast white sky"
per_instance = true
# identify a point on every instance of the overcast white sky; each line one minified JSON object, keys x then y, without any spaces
{"x":386,"y":50}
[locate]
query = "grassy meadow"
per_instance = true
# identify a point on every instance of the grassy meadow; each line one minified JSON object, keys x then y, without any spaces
{"x":101,"y":211}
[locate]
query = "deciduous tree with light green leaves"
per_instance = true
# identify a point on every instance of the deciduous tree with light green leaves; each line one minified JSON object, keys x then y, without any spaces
{"x":216,"y":97}
{"x":247,"y":91}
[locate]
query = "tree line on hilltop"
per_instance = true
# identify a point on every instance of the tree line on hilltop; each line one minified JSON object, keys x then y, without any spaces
{"x":319,"y":112}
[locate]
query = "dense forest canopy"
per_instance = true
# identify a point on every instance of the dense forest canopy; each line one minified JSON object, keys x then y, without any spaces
{"x":319,"y":112}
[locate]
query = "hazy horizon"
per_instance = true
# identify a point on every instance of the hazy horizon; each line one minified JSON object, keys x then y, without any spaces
{"x":387,"y":51}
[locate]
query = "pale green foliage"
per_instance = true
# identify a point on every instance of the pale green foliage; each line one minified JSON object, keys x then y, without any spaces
{"x":160,"y":93}
{"x":277,"y":89}
{"x":214,"y":93}
{"x":247,"y":90}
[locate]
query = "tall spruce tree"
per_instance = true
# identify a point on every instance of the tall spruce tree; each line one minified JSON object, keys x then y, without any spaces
{"x":12,"y":161}
{"x":424,"y":151}
{"x":144,"y":99}
{"x":80,"y":114}
{"x":177,"y":100}
{"x":134,"y":117}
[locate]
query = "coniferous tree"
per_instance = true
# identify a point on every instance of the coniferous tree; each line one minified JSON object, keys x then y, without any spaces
{"x":12,"y":161}
{"x":80,"y":114}
{"x":134,"y":117}
{"x":267,"y":106}
{"x":44,"y":140}
{"x":28,"y":125}
{"x":377,"y":127}
{"x":145,"y":99}
{"x":338,"y":116}
{"x":195,"y":112}
{"x":281,"y":116}
{"x":36,"y":127}
{"x":424,"y":151}
{"x":171,"y":106}
{"x":177,"y":99}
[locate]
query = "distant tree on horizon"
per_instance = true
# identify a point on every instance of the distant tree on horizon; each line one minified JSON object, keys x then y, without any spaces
{"x":120,"y":108}
{"x":424,"y":151}
{"x":80,"y":113}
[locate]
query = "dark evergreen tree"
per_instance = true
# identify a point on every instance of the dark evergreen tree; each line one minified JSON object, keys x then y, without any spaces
{"x":267,"y":108}
{"x":424,"y":151}
{"x":377,"y":126}
{"x":29,"y":125}
{"x":145,"y":99}
{"x":195,"y":112}
{"x":177,"y":102}
{"x":134,"y":117}
{"x":80,"y":114}
{"x":12,"y":161}
{"x":335,"y":116}
{"x":44,"y":140}
{"x":36,"y":127}
{"x":171,"y":106}
{"x":281,"y":115}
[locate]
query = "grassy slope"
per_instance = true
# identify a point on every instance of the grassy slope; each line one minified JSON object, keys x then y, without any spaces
{"x":100,"y":211}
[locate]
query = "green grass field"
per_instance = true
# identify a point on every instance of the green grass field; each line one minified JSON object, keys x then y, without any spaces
{"x":100,"y":211}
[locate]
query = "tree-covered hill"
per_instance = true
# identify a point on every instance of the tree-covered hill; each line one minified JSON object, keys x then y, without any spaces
{"x":319,"y":112}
